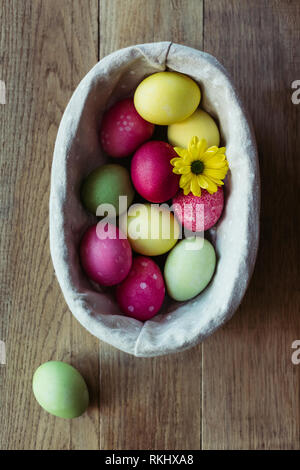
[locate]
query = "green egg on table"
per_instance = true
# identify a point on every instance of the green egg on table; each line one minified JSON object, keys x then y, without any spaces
{"x":104,"y":185}
{"x":60,"y":389}
{"x":199,"y":124}
{"x":189,"y":268}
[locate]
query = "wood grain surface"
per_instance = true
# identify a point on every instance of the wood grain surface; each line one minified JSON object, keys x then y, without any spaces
{"x":252,"y":399}
{"x":239,"y":389}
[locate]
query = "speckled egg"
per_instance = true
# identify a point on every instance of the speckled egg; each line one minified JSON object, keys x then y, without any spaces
{"x":152,"y":230}
{"x":167,"y":97}
{"x":152,"y":173}
{"x":142,"y":293}
{"x":199,"y":124}
{"x":105,"y":254}
{"x":123,"y":130}
{"x":189,"y":268}
{"x":199,"y":213}
{"x":105,"y":185}
{"x":60,"y":389}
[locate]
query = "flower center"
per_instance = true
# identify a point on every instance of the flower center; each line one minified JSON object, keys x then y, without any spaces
{"x":197,"y":167}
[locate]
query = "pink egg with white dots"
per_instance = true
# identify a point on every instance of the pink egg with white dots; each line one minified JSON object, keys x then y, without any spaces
{"x":142,"y":293}
{"x":199,"y":213}
{"x":123,"y":130}
{"x":105,"y":254}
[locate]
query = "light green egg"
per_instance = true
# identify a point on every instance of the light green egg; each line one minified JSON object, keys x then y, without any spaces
{"x":189,"y":268}
{"x":105,"y":185}
{"x":60,"y":389}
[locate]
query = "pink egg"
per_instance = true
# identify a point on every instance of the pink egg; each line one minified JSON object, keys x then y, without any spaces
{"x":123,"y":130}
{"x":142,"y":293}
{"x":106,"y":261}
{"x":152,"y":173}
{"x":190,"y":213}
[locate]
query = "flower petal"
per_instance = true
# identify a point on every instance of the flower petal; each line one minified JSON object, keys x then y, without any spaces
{"x":221,"y":150}
{"x":186,"y":178}
{"x":186,"y":189}
{"x":181,"y":152}
{"x":217,"y":181}
{"x":193,"y":147}
{"x":201,"y":146}
{"x":184,"y":170}
{"x":216,"y":162}
{"x":211,"y":186}
{"x":195,"y":188}
{"x":218,"y":173}
{"x":202,"y":181}
{"x":212,"y":150}
{"x":173,"y":161}
{"x":180,"y":162}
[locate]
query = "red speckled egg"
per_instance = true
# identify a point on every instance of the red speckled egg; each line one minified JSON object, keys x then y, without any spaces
{"x":152,"y":173}
{"x":142,"y":293}
{"x":188,"y":209}
{"x":123,"y":130}
{"x":106,"y":261}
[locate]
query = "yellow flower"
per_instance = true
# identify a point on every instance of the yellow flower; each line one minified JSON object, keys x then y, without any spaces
{"x":200,"y":167}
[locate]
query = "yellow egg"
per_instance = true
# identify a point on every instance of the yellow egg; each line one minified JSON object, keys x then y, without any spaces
{"x":166,"y":97}
{"x":151,"y":230}
{"x":199,"y":124}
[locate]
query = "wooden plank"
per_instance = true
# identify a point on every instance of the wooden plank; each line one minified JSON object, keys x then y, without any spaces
{"x":127,"y":22}
{"x":251,"y":389}
{"x":46,"y":48}
{"x":150,"y":403}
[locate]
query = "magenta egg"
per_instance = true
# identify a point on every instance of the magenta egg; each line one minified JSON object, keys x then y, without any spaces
{"x":142,"y":293}
{"x":152,"y":173}
{"x":105,"y":254}
{"x":123,"y":130}
{"x":199,"y":213}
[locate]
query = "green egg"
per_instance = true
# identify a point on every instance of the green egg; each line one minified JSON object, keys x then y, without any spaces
{"x":60,"y":389}
{"x":104,"y":185}
{"x":189,"y":268}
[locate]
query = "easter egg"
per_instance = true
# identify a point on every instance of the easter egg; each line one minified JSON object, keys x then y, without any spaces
{"x":123,"y":130}
{"x":189,"y":268}
{"x":151,"y":230}
{"x":142,"y":293}
{"x":60,"y":389}
{"x":199,"y":213}
{"x":104,"y":185}
{"x":105,"y":254}
{"x":199,"y":124}
{"x":152,"y":173}
{"x":166,"y":97}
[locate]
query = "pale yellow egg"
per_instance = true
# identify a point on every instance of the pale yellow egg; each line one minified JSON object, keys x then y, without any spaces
{"x":199,"y":124}
{"x":166,"y":97}
{"x":151,"y":230}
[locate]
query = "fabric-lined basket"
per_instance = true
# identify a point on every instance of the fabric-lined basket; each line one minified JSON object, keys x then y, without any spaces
{"x":78,"y":151}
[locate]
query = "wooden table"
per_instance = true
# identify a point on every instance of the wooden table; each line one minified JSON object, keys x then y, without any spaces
{"x":239,"y":389}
